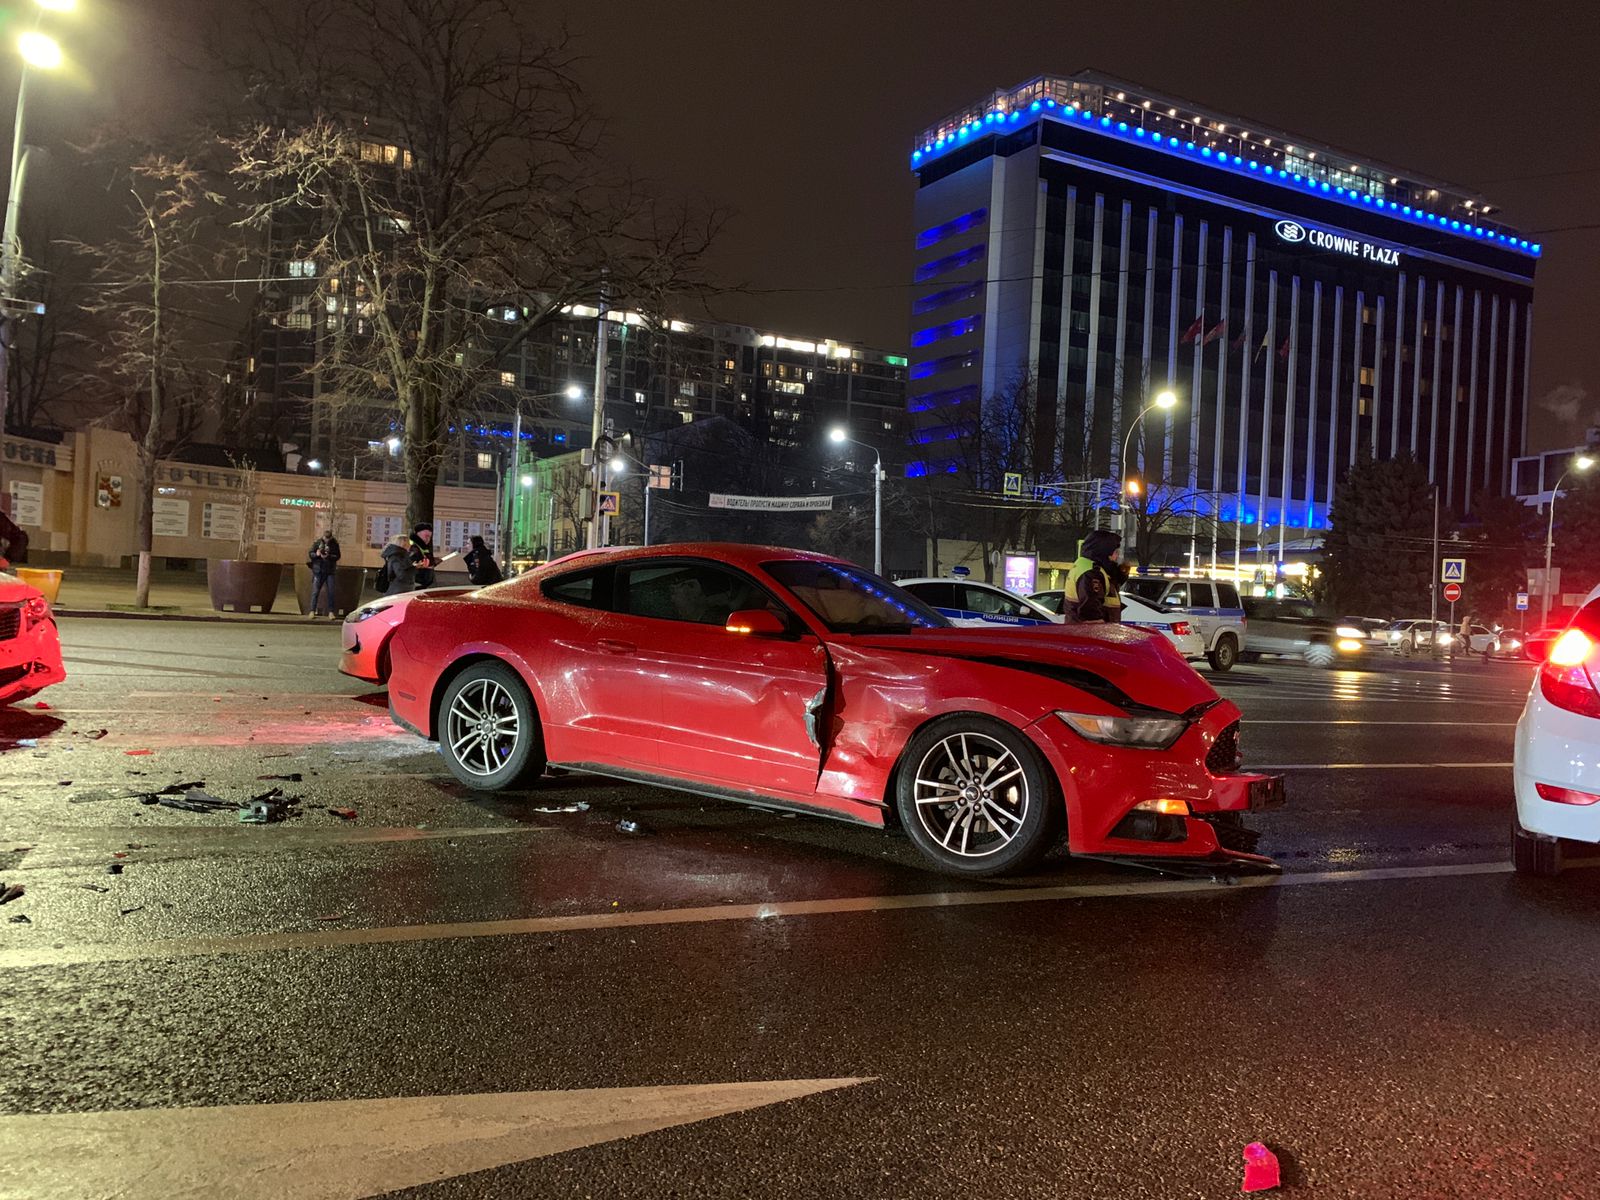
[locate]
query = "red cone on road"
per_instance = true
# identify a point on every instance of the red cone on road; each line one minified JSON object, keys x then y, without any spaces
{"x":1260,"y":1168}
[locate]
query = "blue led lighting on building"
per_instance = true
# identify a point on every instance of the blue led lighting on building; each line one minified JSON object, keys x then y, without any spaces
{"x":1035,"y":112}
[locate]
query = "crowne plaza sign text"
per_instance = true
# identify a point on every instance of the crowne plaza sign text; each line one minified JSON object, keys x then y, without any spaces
{"x":1338,"y":243}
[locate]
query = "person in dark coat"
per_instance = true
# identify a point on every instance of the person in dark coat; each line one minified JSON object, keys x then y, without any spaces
{"x":398,"y":569}
{"x":13,"y":542}
{"x":323,"y":561}
{"x":481,"y":567}
{"x":1094,"y":585}
{"x":423,"y":557}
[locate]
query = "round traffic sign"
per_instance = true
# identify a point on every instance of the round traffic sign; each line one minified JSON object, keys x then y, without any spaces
{"x":1452,"y":592}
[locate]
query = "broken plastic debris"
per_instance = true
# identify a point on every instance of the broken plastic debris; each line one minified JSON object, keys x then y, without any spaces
{"x":15,"y":892}
{"x":27,"y":743}
{"x":134,"y":909}
{"x":137,"y":753}
{"x":1260,"y":1168}
{"x":293,"y":777}
{"x":580,"y":806}
{"x":632,"y":827}
{"x":42,"y":706}
{"x":21,"y":919}
{"x":348,"y":814}
{"x":93,"y":887}
{"x":114,"y":869}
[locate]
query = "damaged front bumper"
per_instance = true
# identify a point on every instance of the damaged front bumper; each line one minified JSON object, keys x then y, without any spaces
{"x":1179,"y":809}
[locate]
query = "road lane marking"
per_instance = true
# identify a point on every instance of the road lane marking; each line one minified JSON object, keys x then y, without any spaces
{"x":315,"y":939}
{"x":328,"y":1149}
{"x":1312,"y":721}
{"x":1355,"y":766}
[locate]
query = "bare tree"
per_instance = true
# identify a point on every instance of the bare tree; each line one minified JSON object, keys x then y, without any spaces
{"x":152,"y":347}
{"x":51,"y":281}
{"x":437,"y":160}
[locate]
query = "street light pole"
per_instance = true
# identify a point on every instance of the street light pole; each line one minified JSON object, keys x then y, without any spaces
{"x":597,"y":421}
{"x":1165,"y":400}
{"x":1581,"y":463}
{"x":37,"y":50}
{"x":838,"y":435}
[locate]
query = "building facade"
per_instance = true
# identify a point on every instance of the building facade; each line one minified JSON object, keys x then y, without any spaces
{"x":1103,"y":243}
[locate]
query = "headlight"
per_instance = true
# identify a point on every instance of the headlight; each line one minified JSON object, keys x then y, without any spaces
{"x":36,"y":609}
{"x":1146,"y":733}
{"x":372,"y":610}
{"x":1350,"y":631}
{"x":1445,"y":639}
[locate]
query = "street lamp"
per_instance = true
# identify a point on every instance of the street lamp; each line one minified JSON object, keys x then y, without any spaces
{"x":1580,"y":464}
{"x":39,"y":51}
{"x":1166,"y":400}
{"x":394,"y":445}
{"x":839,"y":437}
{"x":314,"y":465}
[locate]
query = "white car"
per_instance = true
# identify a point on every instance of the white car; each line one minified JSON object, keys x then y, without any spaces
{"x":1556,"y":768}
{"x":966,"y":602}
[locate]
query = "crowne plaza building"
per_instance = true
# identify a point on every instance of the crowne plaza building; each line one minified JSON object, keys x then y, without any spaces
{"x":1105,"y":242}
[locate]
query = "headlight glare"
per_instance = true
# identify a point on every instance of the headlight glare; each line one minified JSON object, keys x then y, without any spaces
{"x":1350,"y":631}
{"x":1145,"y":733}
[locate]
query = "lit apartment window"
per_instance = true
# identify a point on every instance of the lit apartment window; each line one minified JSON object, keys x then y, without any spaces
{"x":485,"y":461}
{"x":303,"y":268}
{"x":1366,"y":378}
{"x":508,"y":379}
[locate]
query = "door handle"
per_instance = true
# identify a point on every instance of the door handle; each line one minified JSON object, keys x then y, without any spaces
{"x":613,"y":646}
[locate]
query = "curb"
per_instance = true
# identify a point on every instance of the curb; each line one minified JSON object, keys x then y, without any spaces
{"x":208,"y":618}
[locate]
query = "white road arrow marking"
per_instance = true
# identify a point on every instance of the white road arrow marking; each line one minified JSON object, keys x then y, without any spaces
{"x":343,"y":1149}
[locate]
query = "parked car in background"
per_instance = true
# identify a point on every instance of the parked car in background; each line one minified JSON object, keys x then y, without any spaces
{"x":795,"y":681}
{"x":1414,"y":633}
{"x":366,"y":632}
{"x":1213,"y":605}
{"x":1536,"y":645}
{"x":968,"y":603}
{"x":30,"y":647}
{"x":1556,"y":763}
{"x":1292,"y":629}
{"x":1373,"y":631}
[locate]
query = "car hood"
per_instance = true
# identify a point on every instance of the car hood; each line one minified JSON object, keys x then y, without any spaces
{"x":13,"y":590}
{"x":1140,"y":665}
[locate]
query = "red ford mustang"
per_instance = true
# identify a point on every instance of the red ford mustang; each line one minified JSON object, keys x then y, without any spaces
{"x":789,"y":680}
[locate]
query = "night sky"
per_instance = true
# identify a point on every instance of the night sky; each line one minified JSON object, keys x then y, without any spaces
{"x":800,"y":118}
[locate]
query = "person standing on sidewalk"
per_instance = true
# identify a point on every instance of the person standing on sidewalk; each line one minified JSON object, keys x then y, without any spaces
{"x":423,"y":557}
{"x":1094,"y":585}
{"x":323,"y":561}
{"x":481,"y":567}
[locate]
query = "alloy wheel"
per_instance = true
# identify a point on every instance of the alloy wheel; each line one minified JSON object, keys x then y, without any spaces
{"x":482,"y":727}
{"x":971,"y":794}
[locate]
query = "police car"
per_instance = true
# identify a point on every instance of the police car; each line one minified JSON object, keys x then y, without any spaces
{"x":967,"y":602}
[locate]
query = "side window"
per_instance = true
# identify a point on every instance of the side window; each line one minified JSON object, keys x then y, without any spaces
{"x":993,"y":604}
{"x":1177,"y":596}
{"x":1200,"y":596}
{"x":1049,"y":601}
{"x":939,"y":595}
{"x":1227,"y":595}
{"x":585,"y":589}
{"x":697,"y":592}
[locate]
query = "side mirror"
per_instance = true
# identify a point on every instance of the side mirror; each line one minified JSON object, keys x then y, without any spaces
{"x":757,"y":621}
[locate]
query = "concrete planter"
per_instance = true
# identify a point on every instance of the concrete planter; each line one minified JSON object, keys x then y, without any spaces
{"x":242,"y":586}
{"x":348,"y":583}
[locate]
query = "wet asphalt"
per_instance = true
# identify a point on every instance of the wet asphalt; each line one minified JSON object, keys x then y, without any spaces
{"x":1400,"y":1016}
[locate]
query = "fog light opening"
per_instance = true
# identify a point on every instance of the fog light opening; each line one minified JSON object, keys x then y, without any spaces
{"x":1166,"y":807}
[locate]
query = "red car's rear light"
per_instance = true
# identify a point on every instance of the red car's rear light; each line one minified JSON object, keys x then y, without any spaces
{"x":1559,"y":795}
{"x":1182,"y":628}
{"x":1567,"y":678}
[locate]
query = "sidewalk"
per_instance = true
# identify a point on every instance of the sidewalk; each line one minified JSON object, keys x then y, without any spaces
{"x":174,"y":595}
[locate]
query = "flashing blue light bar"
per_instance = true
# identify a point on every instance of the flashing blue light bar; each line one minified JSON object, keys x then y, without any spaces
{"x":1171,"y":145}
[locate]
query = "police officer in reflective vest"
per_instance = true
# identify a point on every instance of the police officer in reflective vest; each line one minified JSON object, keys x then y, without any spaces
{"x":1094,"y":585}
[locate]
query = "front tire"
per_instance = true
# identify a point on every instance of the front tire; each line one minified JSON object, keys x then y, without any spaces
{"x":1320,"y":654}
{"x":489,"y":729}
{"x":976,"y":797}
{"x":1224,"y":655}
{"x":1532,"y":855}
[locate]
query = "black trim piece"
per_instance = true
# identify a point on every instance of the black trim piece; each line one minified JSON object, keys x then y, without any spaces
{"x":713,"y":791}
{"x":1085,"y":681}
{"x":405,"y":724}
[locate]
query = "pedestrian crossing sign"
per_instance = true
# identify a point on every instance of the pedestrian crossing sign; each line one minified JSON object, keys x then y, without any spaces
{"x":1454,"y":571}
{"x":1013,"y":483}
{"x":610,"y":503}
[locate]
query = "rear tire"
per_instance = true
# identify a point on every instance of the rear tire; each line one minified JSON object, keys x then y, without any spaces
{"x":489,"y":729}
{"x":976,"y":797}
{"x":1534,"y":855}
{"x":1224,"y":654}
{"x":1320,"y":654}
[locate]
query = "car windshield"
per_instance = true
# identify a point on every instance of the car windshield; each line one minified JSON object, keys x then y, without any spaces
{"x":1145,"y":589}
{"x":850,"y":600}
